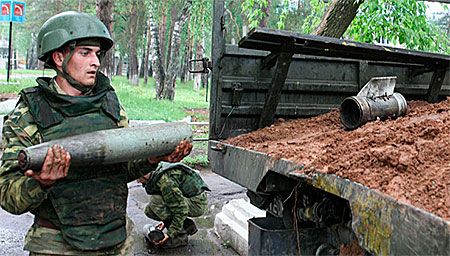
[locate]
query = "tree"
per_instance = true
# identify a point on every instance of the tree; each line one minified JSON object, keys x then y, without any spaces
{"x":338,"y":17}
{"x":165,"y":82}
{"x":133,"y":74}
{"x":158,"y":68}
{"x":170,"y":81}
{"x":104,"y":13}
{"x":399,"y":22}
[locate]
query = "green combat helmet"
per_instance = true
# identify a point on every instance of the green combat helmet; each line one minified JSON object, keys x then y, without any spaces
{"x":69,"y":28}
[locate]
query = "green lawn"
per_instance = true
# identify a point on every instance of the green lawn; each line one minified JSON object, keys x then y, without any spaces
{"x":138,"y":101}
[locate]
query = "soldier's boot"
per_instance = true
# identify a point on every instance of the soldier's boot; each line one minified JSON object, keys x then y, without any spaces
{"x":152,"y":233}
{"x":189,"y":226}
{"x":180,"y":240}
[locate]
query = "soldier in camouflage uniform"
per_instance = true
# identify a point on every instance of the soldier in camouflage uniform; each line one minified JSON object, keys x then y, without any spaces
{"x":77,"y":210}
{"x":177,"y":191}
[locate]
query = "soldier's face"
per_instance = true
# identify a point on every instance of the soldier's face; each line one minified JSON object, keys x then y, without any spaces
{"x":84,"y":64}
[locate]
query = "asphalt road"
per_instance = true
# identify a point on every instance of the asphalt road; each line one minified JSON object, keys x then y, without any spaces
{"x":13,"y":228}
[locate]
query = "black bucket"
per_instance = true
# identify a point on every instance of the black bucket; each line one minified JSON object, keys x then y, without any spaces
{"x":268,"y":236}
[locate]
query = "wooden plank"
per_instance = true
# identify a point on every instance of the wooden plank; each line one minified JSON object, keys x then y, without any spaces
{"x":273,"y":96}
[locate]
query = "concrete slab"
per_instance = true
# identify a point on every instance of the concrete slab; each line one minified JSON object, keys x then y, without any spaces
{"x":231,"y":224}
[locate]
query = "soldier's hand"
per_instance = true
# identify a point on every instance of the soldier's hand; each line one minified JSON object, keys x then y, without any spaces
{"x":160,"y":226}
{"x":181,"y":151}
{"x":56,"y":166}
{"x":144,"y":179}
{"x":161,"y":241}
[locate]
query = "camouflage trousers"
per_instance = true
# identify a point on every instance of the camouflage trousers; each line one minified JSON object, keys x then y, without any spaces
{"x":42,"y":241}
{"x":157,"y":209}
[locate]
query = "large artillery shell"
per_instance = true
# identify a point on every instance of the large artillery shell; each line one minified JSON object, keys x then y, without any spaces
{"x":111,"y":146}
{"x":356,"y":111}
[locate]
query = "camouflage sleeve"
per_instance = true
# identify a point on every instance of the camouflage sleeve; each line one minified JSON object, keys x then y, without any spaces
{"x":175,"y":201}
{"x":18,"y":193}
{"x":124,"y":121}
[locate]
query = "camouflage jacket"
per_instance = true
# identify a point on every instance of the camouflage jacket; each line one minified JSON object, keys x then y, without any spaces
{"x":18,"y":193}
{"x":171,"y":181}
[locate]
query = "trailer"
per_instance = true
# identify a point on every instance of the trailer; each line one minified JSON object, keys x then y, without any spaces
{"x":275,"y":74}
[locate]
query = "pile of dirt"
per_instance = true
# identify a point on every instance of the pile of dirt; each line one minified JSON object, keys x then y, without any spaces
{"x":407,"y":158}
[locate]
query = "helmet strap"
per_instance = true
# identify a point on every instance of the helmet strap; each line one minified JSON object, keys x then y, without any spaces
{"x":74,"y":83}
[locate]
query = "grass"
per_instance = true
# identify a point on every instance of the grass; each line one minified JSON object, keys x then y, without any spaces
{"x":138,"y":101}
{"x":140,"y":104}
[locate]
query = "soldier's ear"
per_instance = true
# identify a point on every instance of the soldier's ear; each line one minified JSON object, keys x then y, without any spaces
{"x":58,"y":58}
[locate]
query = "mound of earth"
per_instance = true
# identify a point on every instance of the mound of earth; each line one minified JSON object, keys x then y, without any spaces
{"x":407,"y":158}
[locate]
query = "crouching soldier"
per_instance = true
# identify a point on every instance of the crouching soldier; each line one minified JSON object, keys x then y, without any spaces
{"x":177,"y":192}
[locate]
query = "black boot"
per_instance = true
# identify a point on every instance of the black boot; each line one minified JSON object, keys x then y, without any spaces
{"x":179,"y":240}
{"x":189,"y":226}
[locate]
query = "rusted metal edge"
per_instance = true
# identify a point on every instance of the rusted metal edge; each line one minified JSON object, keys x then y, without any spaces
{"x":382,"y":224}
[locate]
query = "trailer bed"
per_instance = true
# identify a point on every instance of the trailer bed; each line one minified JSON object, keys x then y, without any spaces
{"x":382,"y":224}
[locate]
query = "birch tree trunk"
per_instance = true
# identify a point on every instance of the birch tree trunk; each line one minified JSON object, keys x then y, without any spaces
{"x":338,"y":17}
{"x":185,"y":59}
{"x":147,"y":55}
{"x":104,"y":14}
{"x":173,"y":19}
{"x":157,"y":66}
{"x":198,"y":65}
{"x":170,"y":81}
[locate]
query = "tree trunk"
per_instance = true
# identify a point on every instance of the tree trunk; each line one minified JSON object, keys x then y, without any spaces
{"x":338,"y":17}
{"x":80,"y":5}
{"x":266,"y":11}
{"x":157,"y":66}
{"x":133,"y":74}
{"x":185,"y":62}
{"x":191,"y":56}
{"x":163,"y":37}
{"x":198,"y":65}
{"x":104,"y":13}
{"x":185,"y":59}
{"x":170,"y":81}
{"x":119,"y":66}
{"x":144,"y":56}
{"x":147,"y":54}
{"x":173,"y":19}
{"x":33,"y":61}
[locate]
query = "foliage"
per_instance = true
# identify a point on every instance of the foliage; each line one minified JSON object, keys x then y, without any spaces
{"x":318,"y":9}
{"x":201,"y":18}
{"x":283,"y":14}
{"x":253,"y":10}
{"x":401,"y":22}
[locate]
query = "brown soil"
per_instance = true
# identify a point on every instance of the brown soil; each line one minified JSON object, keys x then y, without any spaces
{"x":407,"y":158}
